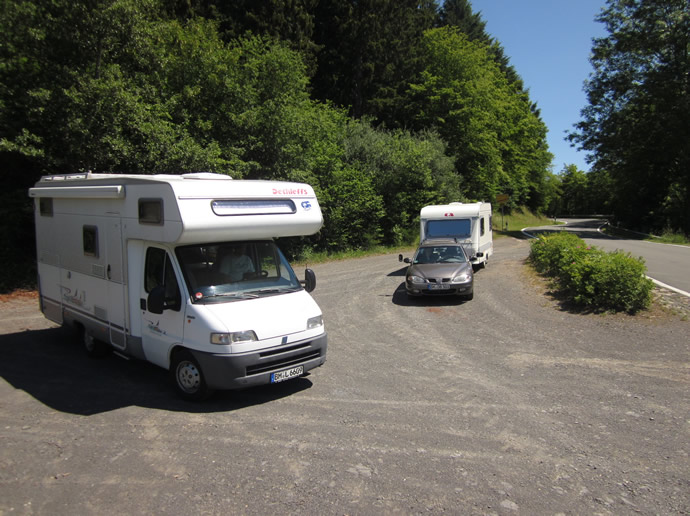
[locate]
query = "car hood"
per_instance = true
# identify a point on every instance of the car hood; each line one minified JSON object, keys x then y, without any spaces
{"x":438,"y":270}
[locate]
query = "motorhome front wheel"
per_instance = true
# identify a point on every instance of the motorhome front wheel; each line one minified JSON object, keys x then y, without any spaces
{"x":188,"y":377}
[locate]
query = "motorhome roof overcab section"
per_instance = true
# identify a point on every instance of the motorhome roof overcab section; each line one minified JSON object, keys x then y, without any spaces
{"x":182,"y":271}
{"x":467,"y":223}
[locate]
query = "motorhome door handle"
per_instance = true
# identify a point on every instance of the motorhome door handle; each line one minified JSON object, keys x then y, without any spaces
{"x":108,"y":271}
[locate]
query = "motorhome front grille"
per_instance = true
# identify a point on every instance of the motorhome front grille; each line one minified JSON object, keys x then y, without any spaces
{"x":275,"y":365}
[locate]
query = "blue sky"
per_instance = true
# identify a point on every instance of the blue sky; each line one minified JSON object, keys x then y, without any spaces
{"x":549,"y":43}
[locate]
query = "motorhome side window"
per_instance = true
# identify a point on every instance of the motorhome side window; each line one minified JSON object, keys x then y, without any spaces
{"x":45,"y":206}
{"x":159,"y":271}
{"x":481,"y":226}
{"x":151,"y":211}
{"x":90,"y":240}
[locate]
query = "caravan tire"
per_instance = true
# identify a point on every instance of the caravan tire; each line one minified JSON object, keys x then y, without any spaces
{"x":188,"y":377}
{"x":94,"y":348}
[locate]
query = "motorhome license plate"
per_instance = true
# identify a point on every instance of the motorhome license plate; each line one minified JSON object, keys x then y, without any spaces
{"x":281,"y":376}
{"x":438,"y":286}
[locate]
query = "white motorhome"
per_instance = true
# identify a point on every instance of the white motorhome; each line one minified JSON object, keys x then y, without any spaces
{"x":467,"y":223}
{"x":182,"y":271}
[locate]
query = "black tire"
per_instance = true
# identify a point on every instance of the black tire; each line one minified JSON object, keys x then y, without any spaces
{"x":94,"y":348}
{"x":188,"y":378}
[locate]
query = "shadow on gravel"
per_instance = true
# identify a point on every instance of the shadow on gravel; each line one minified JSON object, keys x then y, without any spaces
{"x":399,"y":272}
{"x":50,"y":366}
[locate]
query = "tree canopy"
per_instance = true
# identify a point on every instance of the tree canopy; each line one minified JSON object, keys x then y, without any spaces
{"x":383,"y":106}
{"x":636,"y":123}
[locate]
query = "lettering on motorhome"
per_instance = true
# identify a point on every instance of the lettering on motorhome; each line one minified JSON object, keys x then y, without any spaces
{"x":290,"y":191}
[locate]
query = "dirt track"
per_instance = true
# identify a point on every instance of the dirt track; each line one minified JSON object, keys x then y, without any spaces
{"x":506,"y":404}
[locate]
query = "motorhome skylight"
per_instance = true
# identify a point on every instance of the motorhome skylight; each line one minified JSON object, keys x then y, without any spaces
{"x":253,"y":207}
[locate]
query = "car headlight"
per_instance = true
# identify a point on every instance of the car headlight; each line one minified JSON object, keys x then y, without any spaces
{"x":415,"y":279}
{"x":236,"y":337}
{"x":462,"y":278}
{"x":314,"y":322}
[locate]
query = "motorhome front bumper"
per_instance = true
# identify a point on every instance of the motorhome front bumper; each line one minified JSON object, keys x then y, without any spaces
{"x":233,"y":371}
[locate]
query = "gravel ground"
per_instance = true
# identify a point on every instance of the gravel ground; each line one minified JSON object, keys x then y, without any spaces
{"x":508,"y":404}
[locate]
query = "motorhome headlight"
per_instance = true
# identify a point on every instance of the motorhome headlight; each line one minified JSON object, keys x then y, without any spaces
{"x":314,"y":322}
{"x":236,"y":337}
{"x":463,"y":277}
{"x":415,"y":279}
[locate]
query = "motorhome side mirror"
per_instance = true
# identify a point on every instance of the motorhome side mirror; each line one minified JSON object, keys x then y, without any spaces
{"x":309,"y":280}
{"x":480,"y":254}
{"x":156,"y":300}
{"x":400,"y":257}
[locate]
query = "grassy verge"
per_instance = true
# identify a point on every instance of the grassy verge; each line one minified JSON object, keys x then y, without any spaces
{"x":668,"y":237}
{"x":512,"y":224}
{"x":315,"y":257}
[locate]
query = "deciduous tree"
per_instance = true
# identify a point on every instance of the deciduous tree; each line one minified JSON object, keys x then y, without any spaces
{"x":636,"y":123}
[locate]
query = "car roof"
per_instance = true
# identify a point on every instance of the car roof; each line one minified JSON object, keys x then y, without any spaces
{"x":440,"y":242}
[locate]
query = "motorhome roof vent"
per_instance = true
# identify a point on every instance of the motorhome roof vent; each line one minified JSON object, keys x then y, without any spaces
{"x":205,"y":175}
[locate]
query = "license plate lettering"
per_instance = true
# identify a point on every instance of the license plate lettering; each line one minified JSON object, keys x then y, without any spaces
{"x":438,"y":286}
{"x":281,"y":376}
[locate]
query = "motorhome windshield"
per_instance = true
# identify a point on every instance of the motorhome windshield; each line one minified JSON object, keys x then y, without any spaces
{"x":232,"y":271}
{"x":448,"y":228}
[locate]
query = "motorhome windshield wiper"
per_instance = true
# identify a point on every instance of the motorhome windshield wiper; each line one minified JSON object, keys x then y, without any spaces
{"x":238,"y":295}
{"x":278,"y":290}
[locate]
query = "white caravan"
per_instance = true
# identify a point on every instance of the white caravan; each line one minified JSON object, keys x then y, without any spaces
{"x":182,"y":271}
{"x":467,"y":223}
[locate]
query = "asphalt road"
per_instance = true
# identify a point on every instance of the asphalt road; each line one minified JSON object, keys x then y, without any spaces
{"x":666,"y":263}
{"x":508,"y":404}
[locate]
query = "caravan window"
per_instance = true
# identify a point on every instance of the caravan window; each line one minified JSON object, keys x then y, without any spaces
{"x":45,"y":206}
{"x":151,"y":211}
{"x":481,"y":226}
{"x":448,"y":228}
{"x":90,"y":240}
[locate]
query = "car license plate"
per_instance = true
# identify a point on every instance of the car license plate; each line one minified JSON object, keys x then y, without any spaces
{"x":281,"y":376}
{"x":438,"y":286}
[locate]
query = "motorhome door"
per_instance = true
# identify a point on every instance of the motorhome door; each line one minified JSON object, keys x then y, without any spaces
{"x":159,"y":332}
{"x":116,"y":286}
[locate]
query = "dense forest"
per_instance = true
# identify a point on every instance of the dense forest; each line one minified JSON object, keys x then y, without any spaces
{"x":382,"y":105}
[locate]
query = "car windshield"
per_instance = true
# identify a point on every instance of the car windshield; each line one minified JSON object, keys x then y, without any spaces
{"x":235,"y":270}
{"x":440,"y":254}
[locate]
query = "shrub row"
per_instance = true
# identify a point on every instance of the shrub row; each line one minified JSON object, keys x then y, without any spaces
{"x":590,"y":276}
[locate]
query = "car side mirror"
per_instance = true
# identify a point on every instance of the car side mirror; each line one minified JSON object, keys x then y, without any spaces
{"x":309,"y":280}
{"x":155,"y":303}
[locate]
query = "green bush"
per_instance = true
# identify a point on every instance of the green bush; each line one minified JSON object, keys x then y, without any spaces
{"x":591,"y":277}
{"x":550,"y":254}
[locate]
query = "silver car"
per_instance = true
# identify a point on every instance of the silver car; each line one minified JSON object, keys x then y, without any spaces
{"x":439,"y":267}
